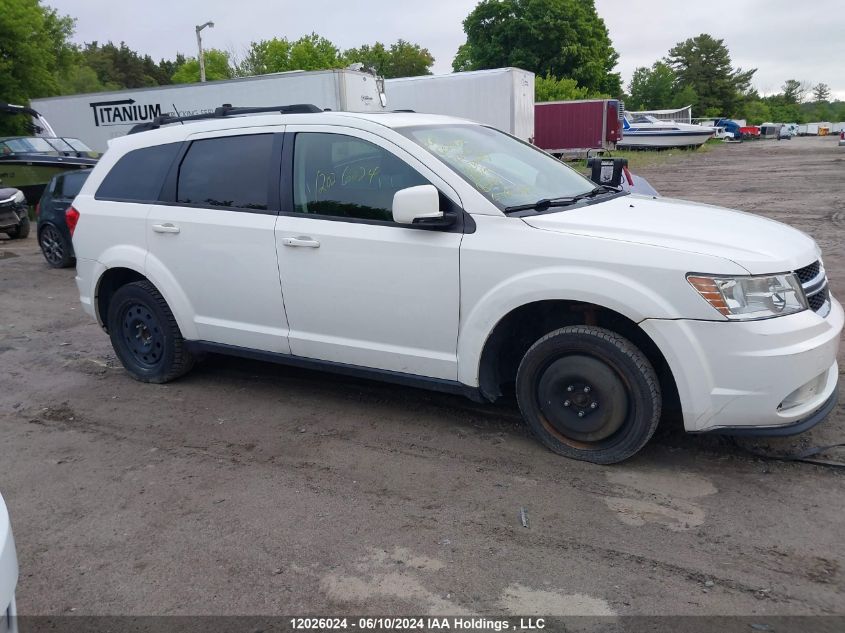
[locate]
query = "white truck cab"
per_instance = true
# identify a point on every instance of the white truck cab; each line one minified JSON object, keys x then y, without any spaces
{"x":438,"y":252}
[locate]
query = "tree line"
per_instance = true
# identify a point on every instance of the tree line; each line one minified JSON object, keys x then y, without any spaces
{"x":564,"y":42}
{"x":699,"y":72}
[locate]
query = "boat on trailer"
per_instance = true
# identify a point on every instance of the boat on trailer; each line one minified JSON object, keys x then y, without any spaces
{"x":29,"y":162}
{"x":647,"y":132}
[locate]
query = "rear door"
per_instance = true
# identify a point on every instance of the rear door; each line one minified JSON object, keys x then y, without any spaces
{"x":212,"y":239}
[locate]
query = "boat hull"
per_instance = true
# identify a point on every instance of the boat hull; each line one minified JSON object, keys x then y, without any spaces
{"x":32,"y":176}
{"x":651,"y":140}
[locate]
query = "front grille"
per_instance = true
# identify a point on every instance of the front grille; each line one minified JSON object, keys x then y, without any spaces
{"x":814,"y":282}
{"x":808,"y":273}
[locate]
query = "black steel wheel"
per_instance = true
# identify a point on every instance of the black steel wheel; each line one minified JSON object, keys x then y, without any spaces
{"x":145,"y":335}
{"x":588,"y":393}
{"x":54,"y":247}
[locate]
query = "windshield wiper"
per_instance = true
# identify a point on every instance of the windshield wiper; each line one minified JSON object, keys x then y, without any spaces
{"x":545,"y":203}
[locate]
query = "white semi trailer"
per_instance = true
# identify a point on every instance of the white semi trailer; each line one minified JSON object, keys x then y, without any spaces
{"x":97,"y":117}
{"x":502,"y":98}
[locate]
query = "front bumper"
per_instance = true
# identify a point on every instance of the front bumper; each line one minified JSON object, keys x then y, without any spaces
{"x":10,"y":217}
{"x":774,"y":376}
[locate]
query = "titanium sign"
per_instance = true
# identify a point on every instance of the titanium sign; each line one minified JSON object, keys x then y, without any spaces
{"x":123,"y":112}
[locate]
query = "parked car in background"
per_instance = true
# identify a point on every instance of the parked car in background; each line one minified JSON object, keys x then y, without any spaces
{"x":438,"y":252}
{"x":14,"y":213}
{"x":842,"y":138}
{"x":8,"y":573}
{"x":54,"y":214}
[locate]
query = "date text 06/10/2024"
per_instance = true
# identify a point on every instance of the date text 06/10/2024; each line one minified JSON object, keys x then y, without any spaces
{"x":418,"y":624}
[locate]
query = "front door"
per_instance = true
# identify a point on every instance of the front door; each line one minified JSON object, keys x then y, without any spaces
{"x":215,"y":241}
{"x":360,"y":289}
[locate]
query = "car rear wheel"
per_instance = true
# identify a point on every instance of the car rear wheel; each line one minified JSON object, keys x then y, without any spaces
{"x":589,"y":394}
{"x":54,"y":247}
{"x":145,"y":335}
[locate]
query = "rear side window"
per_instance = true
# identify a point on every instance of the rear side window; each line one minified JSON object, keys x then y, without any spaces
{"x":230,"y":171}
{"x":139,"y":175}
{"x":70,"y":184}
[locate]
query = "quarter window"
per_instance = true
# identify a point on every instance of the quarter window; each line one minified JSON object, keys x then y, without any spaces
{"x":138,"y":176}
{"x":230,"y":171}
{"x":343,"y":176}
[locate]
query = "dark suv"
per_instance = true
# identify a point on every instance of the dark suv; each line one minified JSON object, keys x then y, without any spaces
{"x":54,"y":214}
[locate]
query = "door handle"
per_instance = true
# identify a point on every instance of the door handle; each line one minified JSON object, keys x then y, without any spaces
{"x":307,"y":242}
{"x":167,"y":227}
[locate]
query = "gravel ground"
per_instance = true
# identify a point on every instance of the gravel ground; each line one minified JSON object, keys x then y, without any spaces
{"x":248,"y":488}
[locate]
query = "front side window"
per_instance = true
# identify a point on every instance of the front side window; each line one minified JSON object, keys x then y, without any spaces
{"x":505,"y":170}
{"x":343,"y":176}
{"x":230,"y":171}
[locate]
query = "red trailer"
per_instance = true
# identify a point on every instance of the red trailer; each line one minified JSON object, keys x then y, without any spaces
{"x":576,"y":127}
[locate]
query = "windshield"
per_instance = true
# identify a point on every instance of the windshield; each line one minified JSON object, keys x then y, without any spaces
{"x":76,"y":144}
{"x":505,"y":170}
{"x":29,"y":145}
{"x":60,"y":145}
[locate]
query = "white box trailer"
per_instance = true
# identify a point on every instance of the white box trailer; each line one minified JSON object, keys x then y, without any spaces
{"x":502,"y":97}
{"x":97,"y":117}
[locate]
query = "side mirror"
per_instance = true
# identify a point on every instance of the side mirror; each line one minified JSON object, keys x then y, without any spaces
{"x":419,"y":205}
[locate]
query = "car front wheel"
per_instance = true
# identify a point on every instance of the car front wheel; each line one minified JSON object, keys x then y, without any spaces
{"x":145,"y":335}
{"x":588,"y":393}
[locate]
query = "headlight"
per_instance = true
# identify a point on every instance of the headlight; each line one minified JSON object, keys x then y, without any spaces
{"x":19,"y":198}
{"x":752,"y":297}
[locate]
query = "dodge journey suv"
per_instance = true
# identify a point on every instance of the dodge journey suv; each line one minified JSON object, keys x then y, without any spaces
{"x":438,"y":252}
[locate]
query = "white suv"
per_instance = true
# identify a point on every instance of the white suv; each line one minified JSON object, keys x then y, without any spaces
{"x":438,"y":252}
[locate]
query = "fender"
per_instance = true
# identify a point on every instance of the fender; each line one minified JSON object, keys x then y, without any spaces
{"x":139,"y":260}
{"x":181,"y":307}
{"x":604,"y":288}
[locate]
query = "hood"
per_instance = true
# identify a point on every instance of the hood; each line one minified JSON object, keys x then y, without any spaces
{"x":757,"y":244}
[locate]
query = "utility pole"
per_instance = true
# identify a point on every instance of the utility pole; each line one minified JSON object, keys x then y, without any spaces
{"x":199,"y":46}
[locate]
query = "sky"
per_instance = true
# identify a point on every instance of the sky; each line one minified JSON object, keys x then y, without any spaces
{"x":774,"y":36}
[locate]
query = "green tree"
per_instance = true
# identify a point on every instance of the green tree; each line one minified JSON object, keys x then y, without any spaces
{"x":561,"y":38}
{"x":120,"y":66}
{"x":266,"y":56}
{"x":549,"y":88}
{"x":756,"y":112}
{"x":684,"y":97}
{"x":652,"y":88}
{"x":402,"y":59}
{"x":34,"y":52}
{"x":80,"y":78}
{"x":794,"y":91}
{"x":313,"y":52}
{"x":704,"y":64}
{"x":216,"y":67}
{"x":821,"y":92}
{"x":310,"y":52}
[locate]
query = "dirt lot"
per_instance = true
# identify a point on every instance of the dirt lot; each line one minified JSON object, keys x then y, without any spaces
{"x":247,"y":488}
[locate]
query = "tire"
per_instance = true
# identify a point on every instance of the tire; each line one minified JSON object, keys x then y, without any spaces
{"x":589,"y":394}
{"x":145,"y":335}
{"x":21,"y":231}
{"x":55,"y":247}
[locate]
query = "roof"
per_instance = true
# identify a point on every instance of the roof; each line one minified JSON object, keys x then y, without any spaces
{"x":371,"y":121}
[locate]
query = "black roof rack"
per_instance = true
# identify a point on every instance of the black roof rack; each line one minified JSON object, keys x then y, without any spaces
{"x":227,"y":109}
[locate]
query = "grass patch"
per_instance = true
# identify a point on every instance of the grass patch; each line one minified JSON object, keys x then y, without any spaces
{"x":648,"y":158}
